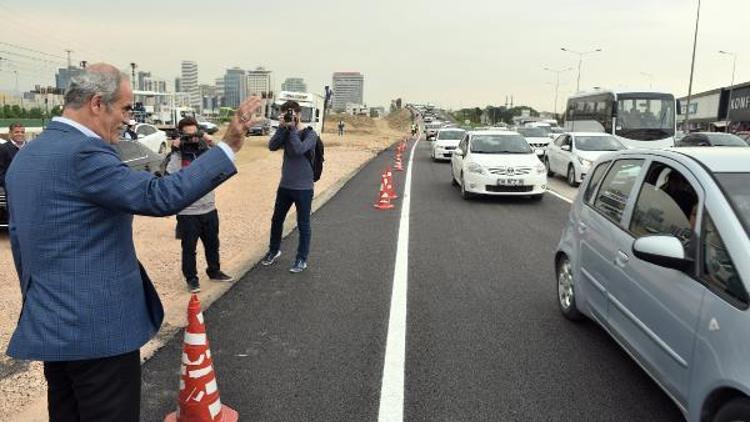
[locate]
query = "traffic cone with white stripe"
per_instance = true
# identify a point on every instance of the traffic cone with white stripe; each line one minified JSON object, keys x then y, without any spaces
{"x":384,"y":200}
{"x":399,"y":165}
{"x":388,"y":181}
{"x":198,"y":400}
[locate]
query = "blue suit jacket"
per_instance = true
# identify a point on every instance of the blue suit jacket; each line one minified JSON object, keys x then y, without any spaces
{"x":71,"y":202}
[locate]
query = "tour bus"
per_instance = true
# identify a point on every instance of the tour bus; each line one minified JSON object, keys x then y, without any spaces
{"x":640,"y":119}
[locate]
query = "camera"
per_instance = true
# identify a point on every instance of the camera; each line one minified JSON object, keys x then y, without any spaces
{"x":193,"y":144}
{"x":289,"y":116}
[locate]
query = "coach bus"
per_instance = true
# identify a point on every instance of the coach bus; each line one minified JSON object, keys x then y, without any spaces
{"x":639,"y":119}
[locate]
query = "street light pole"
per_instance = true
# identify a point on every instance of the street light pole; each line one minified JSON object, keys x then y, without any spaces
{"x":557,"y":73}
{"x":132,"y":72}
{"x":731,"y":84}
{"x":686,"y":122}
{"x":580,"y":55}
{"x":650,"y":79}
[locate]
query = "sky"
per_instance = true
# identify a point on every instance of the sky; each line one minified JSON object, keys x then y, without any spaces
{"x":452,"y":53}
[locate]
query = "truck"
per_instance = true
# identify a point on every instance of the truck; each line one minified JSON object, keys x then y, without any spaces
{"x":310,"y":103}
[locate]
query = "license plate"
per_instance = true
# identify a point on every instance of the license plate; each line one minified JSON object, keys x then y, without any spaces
{"x":510,"y":182}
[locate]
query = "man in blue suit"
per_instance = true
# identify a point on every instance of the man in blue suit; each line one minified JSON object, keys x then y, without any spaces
{"x":88,"y":304}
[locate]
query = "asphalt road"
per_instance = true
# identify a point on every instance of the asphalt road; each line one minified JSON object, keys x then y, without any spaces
{"x":484,"y":338}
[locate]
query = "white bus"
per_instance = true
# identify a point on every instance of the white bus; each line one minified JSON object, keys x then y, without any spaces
{"x":640,"y":119}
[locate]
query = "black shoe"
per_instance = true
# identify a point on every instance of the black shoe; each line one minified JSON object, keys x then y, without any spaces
{"x":193,"y":285}
{"x":270,"y":258}
{"x":220,"y":276}
{"x":299,"y":266}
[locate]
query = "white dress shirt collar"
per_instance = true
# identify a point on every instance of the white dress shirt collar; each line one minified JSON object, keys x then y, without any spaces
{"x":81,"y":128}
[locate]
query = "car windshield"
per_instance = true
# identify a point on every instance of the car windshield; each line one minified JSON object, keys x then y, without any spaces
{"x":450,"y":135}
{"x":726,"y":140}
{"x":556,"y":130}
{"x":532,"y":132}
{"x":737,"y":188}
{"x":500,"y":144}
{"x":598,"y":143}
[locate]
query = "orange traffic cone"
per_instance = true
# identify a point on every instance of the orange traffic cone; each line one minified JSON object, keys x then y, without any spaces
{"x":399,"y":165}
{"x":198,"y":400}
{"x":384,"y":200}
{"x":388,"y":180}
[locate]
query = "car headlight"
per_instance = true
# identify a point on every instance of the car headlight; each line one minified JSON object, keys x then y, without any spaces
{"x":475,"y":168}
{"x":584,"y":162}
{"x":541,"y":168}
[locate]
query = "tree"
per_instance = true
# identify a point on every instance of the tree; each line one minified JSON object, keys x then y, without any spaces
{"x":35,"y":113}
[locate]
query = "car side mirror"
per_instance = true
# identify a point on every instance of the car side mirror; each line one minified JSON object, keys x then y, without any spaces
{"x":565,"y":148}
{"x":664,"y":251}
{"x":458,"y":152}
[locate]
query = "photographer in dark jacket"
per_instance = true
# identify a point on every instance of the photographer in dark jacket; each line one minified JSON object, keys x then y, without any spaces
{"x":296,"y":186}
{"x":200,"y":220}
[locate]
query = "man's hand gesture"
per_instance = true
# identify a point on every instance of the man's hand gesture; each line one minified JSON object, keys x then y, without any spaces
{"x":244,"y":118}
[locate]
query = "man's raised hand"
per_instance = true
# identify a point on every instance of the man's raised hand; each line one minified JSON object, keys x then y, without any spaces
{"x":243,"y":119}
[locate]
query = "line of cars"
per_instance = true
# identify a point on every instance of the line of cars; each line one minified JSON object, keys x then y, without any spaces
{"x":656,"y":250}
{"x":498,"y":161}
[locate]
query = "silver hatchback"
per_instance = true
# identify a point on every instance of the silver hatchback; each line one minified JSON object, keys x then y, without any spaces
{"x":656,"y":251}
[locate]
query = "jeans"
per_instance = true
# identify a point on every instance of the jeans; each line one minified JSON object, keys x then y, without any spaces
{"x":302,"y":200}
{"x":206,"y":228}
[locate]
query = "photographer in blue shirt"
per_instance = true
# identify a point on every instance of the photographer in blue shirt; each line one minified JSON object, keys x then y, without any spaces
{"x":296,"y":186}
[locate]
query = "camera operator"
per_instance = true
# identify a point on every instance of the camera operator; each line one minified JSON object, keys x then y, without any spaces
{"x":129,"y":132}
{"x":296,"y":185}
{"x":200,"y":220}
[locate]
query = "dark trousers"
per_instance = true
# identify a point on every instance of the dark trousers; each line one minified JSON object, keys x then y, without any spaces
{"x":206,"y":228}
{"x":106,"y":389}
{"x":302,"y":200}
{"x":341,"y":131}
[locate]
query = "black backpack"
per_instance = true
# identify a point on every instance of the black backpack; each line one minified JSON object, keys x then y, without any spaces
{"x":317,"y":157}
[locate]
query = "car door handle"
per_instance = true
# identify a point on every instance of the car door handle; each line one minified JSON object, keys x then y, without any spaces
{"x":621,"y":259}
{"x":582,"y":227}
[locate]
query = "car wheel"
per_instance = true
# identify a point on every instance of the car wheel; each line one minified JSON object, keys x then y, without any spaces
{"x":566,"y":297}
{"x":550,"y":173}
{"x":464,"y":193}
{"x":572,"y":176}
{"x":162,"y":148}
{"x":735,"y":410}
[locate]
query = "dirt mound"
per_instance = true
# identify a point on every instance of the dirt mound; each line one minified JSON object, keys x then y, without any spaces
{"x":400,"y":120}
{"x":353,"y":124}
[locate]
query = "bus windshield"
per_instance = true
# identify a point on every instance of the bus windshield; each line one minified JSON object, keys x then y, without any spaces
{"x":645,"y":117}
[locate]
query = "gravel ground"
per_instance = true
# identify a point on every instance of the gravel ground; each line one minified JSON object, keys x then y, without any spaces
{"x":245,"y":205}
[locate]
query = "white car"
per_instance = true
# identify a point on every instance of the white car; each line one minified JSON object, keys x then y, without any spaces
{"x":446,"y":142}
{"x":153,"y":138}
{"x":572,"y":154}
{"x":537,"y":137}
{"x":497,"y":162}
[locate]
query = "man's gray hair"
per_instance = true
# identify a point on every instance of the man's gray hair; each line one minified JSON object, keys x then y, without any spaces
{"x":101,"y":80}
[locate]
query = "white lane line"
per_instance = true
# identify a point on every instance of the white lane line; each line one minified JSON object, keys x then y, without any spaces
{"x":392,"y":389}
{"x":564,"y":198}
